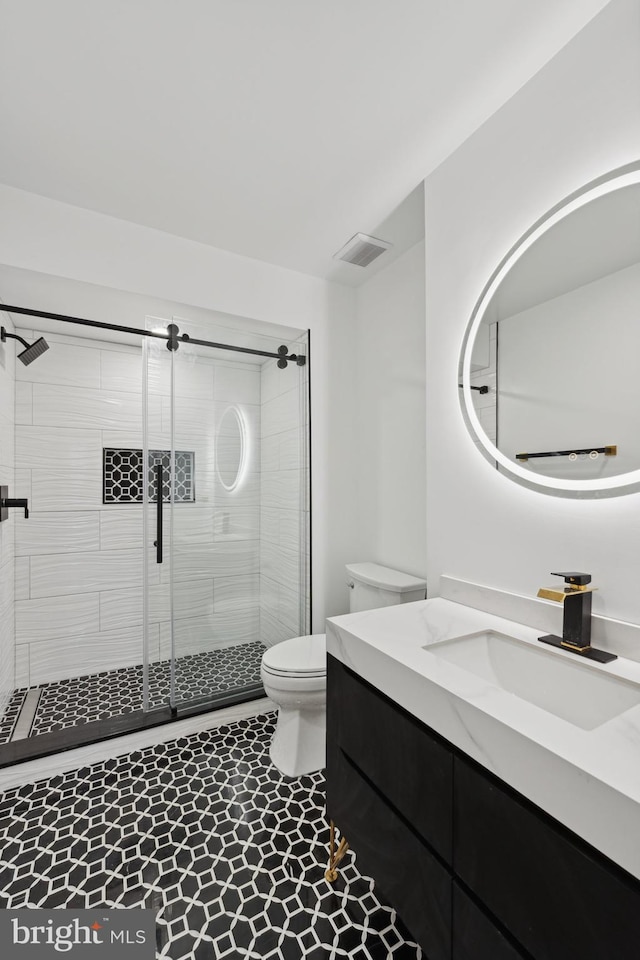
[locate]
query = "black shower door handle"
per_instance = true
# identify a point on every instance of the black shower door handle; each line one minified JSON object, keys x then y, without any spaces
{"x":159,"y":497}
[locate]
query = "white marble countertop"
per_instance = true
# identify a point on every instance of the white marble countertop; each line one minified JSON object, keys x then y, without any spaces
{"x":589,"y":780}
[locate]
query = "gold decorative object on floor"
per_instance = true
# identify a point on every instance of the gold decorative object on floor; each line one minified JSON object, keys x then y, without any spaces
{"x":335,"y":855}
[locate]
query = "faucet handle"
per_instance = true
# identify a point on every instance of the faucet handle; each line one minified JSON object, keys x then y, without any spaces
{"x":576,"y":579}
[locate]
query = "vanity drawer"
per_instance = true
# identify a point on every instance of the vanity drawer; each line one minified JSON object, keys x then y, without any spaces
{"x":558,"y":897}
{"x":475,"y":937}
{"x":411,"y":768}
{"x":406,"y":873}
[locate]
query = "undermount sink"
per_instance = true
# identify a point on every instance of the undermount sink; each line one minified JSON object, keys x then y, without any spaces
{"x":570,"y":689}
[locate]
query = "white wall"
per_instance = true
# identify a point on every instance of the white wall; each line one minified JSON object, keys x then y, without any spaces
{"x":578,"y":118}
{"x":58,"y":239}
{"x":389,"y":370}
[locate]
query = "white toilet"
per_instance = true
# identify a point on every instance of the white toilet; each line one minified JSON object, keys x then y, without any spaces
{"x":294,"y":672}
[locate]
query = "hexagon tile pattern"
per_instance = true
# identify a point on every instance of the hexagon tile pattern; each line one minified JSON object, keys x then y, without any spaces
{"x":101,"y":696}
{"x":206,"y":831}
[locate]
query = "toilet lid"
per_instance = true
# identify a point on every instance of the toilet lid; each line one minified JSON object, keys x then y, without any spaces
{"x":300,"y":656}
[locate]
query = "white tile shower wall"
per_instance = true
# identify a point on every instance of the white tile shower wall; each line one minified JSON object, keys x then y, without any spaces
{"x":284,"y":509}
{"x":79,"y":573}
{"x":7,"y":527}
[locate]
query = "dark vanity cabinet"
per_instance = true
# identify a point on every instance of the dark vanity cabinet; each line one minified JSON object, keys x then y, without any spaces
{"x":475,"y":871}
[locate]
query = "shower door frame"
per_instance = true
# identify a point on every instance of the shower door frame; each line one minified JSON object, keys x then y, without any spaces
{"x":47,"y":744}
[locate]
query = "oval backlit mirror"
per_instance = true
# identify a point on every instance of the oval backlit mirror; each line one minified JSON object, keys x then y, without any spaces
{"x":231,"y":448}
{"x":549,"y":375}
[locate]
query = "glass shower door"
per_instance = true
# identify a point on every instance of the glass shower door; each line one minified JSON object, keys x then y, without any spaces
{"x":227,"y":445}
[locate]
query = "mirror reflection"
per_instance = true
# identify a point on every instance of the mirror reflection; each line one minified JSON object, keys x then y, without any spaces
{"x":557,"y":344}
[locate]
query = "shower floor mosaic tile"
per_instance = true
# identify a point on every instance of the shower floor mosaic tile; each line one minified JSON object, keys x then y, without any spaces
{"x":113,"y":693}
{"x":204,"y":830}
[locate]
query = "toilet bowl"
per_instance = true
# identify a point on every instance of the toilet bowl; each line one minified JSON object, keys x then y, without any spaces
{"x":294,"y":676}
{"x":294,"y":672}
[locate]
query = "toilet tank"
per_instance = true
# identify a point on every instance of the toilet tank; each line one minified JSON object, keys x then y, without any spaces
{"x":373,"y":586}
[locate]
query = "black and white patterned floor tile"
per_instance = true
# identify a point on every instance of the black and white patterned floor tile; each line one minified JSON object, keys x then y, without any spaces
{"x":207,"y":832}
{"x":101,"y":696}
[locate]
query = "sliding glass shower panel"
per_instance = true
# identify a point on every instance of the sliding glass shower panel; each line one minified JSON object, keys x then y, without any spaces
{"x":230,"y":455}
{"x":216,"y":523}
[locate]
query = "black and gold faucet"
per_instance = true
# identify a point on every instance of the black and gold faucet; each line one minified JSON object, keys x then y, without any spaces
{"x":576,"y":623}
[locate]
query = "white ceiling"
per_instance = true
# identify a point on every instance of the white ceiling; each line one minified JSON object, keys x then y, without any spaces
{"x":275,"y":129}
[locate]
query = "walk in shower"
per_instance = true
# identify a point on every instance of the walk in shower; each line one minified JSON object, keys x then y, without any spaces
{"x":166,"y":473}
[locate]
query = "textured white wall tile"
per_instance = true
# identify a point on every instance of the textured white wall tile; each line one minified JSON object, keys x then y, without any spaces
{"x":72,"y":489}
{"x":236,"y":383}
{"x":192,"y":523}
{"x":246,"y":494}
{"x":63,"y":364}
{"x":55,"y":617}
{"x":276,"y":381}
{"x":291,"y":453}
{"x":282,"y":490}
{"x":279,"y":564}
{"x":280,"y":414}
{"x":58,"y":448}
{"x":22,"y":578}
{"x":77,"y":657}
{"x":121,"y":526}
{"x":282,"y":528}
{"x":122,"y":608}
{"x":120,"y":372}
{"x":22,"y":484}
{"x":236,"y":523}
{"x":82,"y":408}
{"x":126,"y":439}
{"x":22,"y":667}
{"x":199,"y":635}
{"x":53,"y":533}
{"x":193,"y":418}
{"x":7,"y":538}
{"x":282,"y":601}
{"x":269,"y":454}
{"x":193,"y":378}
{"x":7,"y":377}
{"x":7,"y":441}
{"x":231,"y":594}
{"x":272,"y":630}
{"x":200,"y":560}
{"x":86,"y":572}
{"x":24,"y":403}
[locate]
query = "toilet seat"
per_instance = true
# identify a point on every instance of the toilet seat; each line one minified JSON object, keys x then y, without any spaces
{"x":299,"y":657}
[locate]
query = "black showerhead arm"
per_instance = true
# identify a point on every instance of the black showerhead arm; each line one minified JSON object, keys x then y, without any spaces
{"x":31,"y":351}
{"x":14,"y":336}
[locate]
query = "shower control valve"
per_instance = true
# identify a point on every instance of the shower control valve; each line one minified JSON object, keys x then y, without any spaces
{"x":6,"y":502}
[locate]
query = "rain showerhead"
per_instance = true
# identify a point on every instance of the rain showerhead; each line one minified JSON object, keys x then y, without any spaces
{"x":31,"y":351}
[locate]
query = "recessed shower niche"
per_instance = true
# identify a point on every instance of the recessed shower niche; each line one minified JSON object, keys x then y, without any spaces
{"x":123,"y":605}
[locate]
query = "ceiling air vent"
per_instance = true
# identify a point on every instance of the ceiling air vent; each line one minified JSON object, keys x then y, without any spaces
{"x":361,"y":250}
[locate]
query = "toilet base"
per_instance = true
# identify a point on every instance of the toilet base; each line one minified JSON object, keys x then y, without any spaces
{"x":299,"y":742}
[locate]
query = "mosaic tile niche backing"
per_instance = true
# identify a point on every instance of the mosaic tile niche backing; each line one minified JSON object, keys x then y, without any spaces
{"x":123,"y":475}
